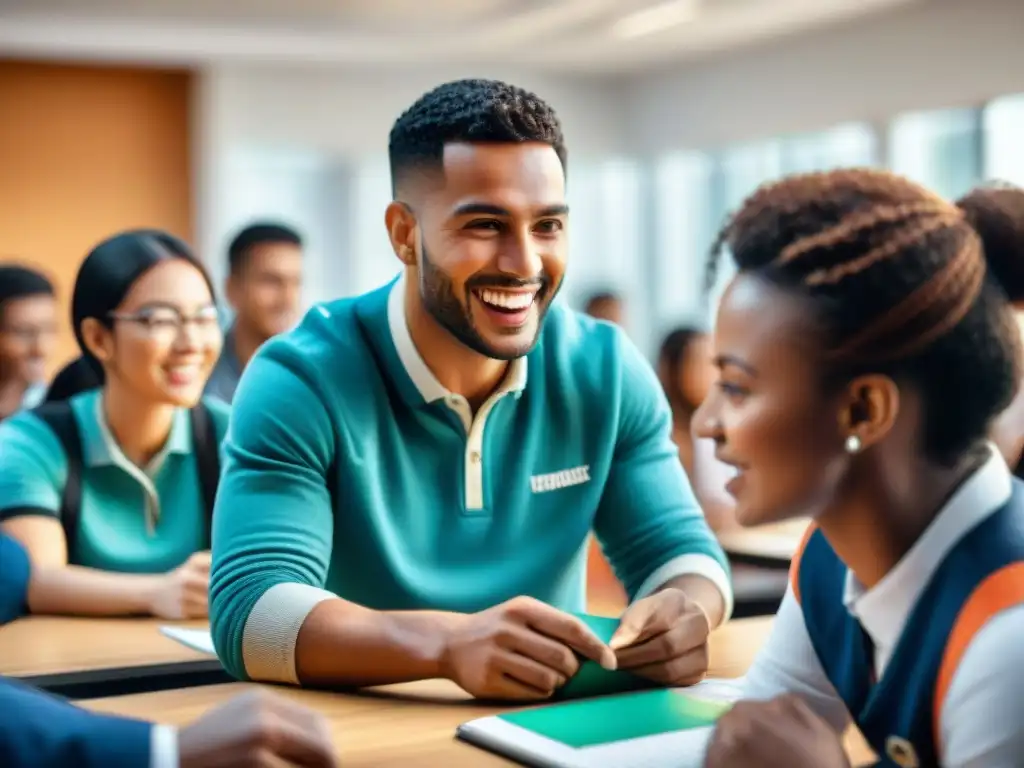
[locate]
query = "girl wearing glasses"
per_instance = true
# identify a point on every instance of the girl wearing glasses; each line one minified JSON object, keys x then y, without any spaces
{"x":109,"y":490}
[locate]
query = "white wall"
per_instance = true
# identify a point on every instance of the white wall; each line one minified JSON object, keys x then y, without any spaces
{"x":943,"y":53}
{"x":352,"y":112}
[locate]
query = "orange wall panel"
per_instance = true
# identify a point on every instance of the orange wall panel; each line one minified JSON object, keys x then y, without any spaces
{"x":86,"y":151}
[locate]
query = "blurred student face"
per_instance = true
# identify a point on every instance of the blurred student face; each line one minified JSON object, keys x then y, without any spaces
{"x":28,"y":331}
{"x":488,"y":241}
{"x":607,"y":309}
{"x":267,"y":289}
{"x":697,"y":371}
{"x":166,"y":335}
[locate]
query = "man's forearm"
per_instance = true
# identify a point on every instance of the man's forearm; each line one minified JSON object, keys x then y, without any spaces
{"x":702,"y":591}
{"x":344,"y":644}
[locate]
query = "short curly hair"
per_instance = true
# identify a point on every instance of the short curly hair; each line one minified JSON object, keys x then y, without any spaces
{"x":473,"y":110}
{"x":899,"y":279}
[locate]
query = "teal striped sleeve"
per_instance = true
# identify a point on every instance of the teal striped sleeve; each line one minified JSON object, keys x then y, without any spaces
{"x":648,"y":522}
{"x":273,"y":523}
{"x":33,"y":467}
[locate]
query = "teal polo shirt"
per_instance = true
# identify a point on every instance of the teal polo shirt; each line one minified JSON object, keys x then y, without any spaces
{"x":133,"y":519}
{"x":350,"y":471}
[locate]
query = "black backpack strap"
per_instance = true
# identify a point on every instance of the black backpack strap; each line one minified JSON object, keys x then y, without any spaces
{"x":206,"y":447}
{"x":59,"y":417}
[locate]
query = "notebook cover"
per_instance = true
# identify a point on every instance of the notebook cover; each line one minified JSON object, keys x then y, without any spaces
{"x":596,"y":721}
{"x":594,"y":680}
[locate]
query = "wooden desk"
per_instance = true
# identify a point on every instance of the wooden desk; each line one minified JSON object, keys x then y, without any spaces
{"x":412,"y":724}
{"x":80,"y":658}
{"x":765,"y":545}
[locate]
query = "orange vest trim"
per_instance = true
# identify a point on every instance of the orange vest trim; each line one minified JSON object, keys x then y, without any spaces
{"x":794,"y":564}
{"x":1002,"y":589}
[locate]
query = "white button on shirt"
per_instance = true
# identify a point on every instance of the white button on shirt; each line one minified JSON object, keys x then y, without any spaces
{"x":982,"y":718}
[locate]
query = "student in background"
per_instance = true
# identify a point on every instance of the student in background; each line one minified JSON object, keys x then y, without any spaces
{"x":999,"y":211}
{"x":605,"y":305}
{"x":252,"y":729}
{"x":686,"y":372}
{"x":263,"y":287}
{"x":412,"y":474}
{"x":41,"y":731}
{"x":28,"y":329}
{"x":109,"y":492}
{"x":863,"y":353}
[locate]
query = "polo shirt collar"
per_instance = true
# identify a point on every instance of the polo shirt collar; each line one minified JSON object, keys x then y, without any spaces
{"x":100,"y":448}
{"x":422,"y":377}
{"x":883,"y":610}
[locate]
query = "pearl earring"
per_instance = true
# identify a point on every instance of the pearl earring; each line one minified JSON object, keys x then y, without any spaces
{"x":852,"y":444}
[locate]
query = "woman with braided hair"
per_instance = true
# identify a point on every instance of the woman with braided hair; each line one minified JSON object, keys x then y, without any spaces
{"x":863,"y":352}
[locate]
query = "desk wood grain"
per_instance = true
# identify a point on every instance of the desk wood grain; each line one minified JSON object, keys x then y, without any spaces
{"x":777,"y":541}
{"x":410,"y":724}
{"x":47,"y":645}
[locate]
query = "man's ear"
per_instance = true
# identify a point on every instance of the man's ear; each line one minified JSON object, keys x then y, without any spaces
{"x":99,"y":341}
{"x":871,"y":406}
{"x":401,"y":224}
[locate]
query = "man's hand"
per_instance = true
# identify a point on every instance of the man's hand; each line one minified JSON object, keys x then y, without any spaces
{"x":521,"y":650}
{"x":257,"y":729}
{"x":664,"y":637}
{"x":782,"y":733}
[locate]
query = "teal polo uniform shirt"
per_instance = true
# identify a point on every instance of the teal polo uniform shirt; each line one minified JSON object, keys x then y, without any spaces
{"x":132,"y":519}
{"x":349,"y":470}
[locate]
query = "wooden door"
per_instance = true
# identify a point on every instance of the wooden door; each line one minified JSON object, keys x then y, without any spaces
{"x":86,"y":151}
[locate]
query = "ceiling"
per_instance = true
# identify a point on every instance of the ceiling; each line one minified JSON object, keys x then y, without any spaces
{"x":592,"y":36}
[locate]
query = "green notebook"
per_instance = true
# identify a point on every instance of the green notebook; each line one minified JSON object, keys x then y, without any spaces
{"x":644,"y":729}
{"x":594,"y":680}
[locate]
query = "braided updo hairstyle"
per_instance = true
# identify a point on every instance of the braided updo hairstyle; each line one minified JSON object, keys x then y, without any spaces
{"x":897,"y":277}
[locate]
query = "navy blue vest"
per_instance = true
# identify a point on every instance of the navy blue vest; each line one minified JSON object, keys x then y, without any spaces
{"x":897,"y":711}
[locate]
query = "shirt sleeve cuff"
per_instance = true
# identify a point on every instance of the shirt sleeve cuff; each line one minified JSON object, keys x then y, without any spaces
{"x":687,"y":565}
{"x":163,"y":748}
{"x":272,"y":629}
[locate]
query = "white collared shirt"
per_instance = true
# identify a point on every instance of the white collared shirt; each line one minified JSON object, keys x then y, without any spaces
{"x":982,"y":719}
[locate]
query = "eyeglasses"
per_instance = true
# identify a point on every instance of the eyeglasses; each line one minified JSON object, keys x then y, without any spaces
{"x":168,"y":322}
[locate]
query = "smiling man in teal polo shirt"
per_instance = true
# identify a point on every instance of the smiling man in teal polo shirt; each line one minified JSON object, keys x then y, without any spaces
{"x":411,"y":475}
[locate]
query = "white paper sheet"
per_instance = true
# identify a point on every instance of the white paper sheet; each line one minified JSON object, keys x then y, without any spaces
{"x":196,"y":639}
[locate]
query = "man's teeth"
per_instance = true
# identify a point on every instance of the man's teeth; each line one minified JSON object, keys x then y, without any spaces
{"x":506,"y":299}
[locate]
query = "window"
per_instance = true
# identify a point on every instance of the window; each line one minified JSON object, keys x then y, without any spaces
{"x":372,"y":261}
{"x":941,"y":150}
{"x":740,"y":171}
{"x":686,"y":220}
{"x":1003,"y":129}
{"x":845,"y":146}
{"x":606,"y":248}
